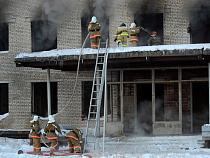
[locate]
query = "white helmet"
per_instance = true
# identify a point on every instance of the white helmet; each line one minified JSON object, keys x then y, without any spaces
{"x":133,"y":25}
{"x":93,"y":20}
{"x":35,"y":119}
{"x":51,"y":119}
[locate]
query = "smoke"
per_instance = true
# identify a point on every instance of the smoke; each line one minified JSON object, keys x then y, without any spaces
{"x":144,"y":118}
{"x":57,"y":10}
{"x":198,"y":15}
{"x":53,"y":13}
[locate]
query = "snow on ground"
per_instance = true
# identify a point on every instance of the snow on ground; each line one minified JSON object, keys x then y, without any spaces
{"x":55,"y":53}
{"x":121,"y":147}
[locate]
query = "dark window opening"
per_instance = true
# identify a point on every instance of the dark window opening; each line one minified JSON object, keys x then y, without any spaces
{"x":200,"y":101}
{"x":39,"y":98}
{"x":4,"y":99}
{"x":44,"y":35}
{"x":86,"y":94}
{"x":4,"y":35}
{"x":151,"y":22}
{"x":200,"y":26}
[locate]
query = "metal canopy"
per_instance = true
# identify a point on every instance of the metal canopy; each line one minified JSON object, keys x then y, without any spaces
{"x":120,"y":60}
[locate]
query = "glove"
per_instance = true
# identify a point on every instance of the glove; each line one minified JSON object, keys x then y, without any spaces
{"x":44,"y":134}
{"x":80,"y":142}
{"x":115,"y":40}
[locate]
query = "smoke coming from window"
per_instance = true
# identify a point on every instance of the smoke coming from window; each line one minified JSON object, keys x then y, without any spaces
{"x":198,"y":15}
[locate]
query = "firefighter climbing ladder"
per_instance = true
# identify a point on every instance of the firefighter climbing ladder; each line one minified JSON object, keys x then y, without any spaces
{"x":97,"y":90}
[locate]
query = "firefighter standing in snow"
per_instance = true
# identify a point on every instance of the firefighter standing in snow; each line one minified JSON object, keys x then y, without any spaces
{"x":75,"y":140}
{"x":121,"y":35}
{"x":154,"y":39}
{"x":134,"y":32}
{"x":94,"y":29}
{"x":35,"y":134}
{"x":49,"y":130}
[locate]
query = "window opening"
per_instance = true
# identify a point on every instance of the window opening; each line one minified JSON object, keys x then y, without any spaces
{"x":4,"y":99}
{"x":151,"y":22}
{"x":4,"y":35}
{"x":39,"y":98}
{"x":44,"y":35}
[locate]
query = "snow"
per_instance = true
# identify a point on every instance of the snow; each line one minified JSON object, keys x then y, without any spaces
{"x":122,"y":147}
{"x":4,"y":52}
{"x":3,"y":116}
{"x":56,"y":53}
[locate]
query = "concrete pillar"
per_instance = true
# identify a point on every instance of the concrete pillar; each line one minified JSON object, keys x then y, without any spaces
{"x":48,"y":92}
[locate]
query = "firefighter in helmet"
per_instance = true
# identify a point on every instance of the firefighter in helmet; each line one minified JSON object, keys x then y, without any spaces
{"x":134,"y":32}
{"x":35,"y":134}
{"x":121,"y":35}
{"x":154,"y":39}
{"x":94,"y":28}
{"x":74,"y":138}
{"x":49,"y":131}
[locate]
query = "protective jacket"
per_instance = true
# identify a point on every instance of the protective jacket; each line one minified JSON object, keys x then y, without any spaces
{"x":121,"y":35}
{"x":50,"y":129}
{"x":134,"y":32}
{"x":75,"y":139}
{"x":154,"y":40}
{"x":95,"y":35}
{"x":35,"y":134}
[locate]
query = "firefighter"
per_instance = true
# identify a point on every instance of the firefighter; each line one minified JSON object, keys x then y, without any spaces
{"x":74,"y":138}
{"x":94,"y":28}
{"x":134,"y":32}
{"x":35,"y":134}
{"x":154,"y":39}
{"x":121,"y":35}
{"x":50,"y":128}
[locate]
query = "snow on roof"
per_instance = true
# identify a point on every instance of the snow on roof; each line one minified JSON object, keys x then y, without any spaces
{"x":56,"y":53}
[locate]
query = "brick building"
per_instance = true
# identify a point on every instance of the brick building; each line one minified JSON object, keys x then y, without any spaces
{"x":159,"y":91}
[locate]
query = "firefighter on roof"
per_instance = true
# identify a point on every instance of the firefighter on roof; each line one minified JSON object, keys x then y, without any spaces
{"x":94,"y":29}
{"x":154,"y":39}
{"x":35,"y":134}
{"x":134,"y":32}
{"x":75,"y":141}
{"x":50,"y":128}
{"x":121,"y":35}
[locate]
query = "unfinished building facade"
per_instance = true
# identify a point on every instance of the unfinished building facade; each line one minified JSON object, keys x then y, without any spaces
{"x":158,"y":92}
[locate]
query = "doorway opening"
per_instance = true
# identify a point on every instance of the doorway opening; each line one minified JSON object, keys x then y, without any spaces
{"x":200,"y":101}
{"x":144,"y":109}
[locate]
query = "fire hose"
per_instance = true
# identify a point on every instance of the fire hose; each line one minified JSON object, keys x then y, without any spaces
{"x":78,"y":65}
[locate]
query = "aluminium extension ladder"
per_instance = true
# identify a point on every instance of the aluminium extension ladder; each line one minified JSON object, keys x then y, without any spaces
{"x":96,"y":94}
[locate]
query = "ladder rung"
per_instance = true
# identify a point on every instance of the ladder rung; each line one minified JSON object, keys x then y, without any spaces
{"x":101,"y":56}
{"x":92,"y":119}
{"x":97,"y":84}
{"x":100,"y":63}
{"x":93,"y":105}
{"x":99,"y":70}
{"x":96,"y":91}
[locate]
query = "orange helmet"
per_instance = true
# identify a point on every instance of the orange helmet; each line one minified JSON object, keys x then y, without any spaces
{"x":154,"y":32}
